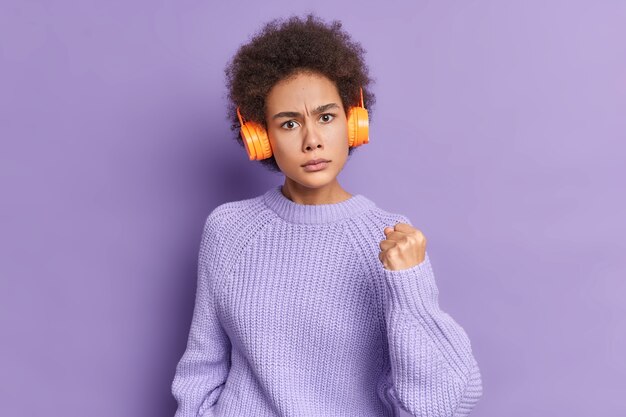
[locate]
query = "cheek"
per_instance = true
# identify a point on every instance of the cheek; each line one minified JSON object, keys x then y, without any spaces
{"x":283,"y":146}
{"x":340,"y":134}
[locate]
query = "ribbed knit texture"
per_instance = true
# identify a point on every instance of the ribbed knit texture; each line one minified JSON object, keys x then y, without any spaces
{"x":295,"y":315}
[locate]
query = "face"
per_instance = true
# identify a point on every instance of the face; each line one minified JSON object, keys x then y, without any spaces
{"x":306,"y":120}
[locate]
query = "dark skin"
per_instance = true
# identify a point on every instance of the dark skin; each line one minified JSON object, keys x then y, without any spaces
{"x":403,"y":247}
{"x":296,"y":139}
{"x":305,"y":134}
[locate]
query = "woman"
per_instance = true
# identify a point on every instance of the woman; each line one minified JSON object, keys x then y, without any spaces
{"x":312,"y":301}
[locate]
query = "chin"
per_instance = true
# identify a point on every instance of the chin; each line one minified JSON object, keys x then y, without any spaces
{"x":314,"y":179}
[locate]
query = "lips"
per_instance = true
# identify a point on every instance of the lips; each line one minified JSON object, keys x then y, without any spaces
{"x":315,"y":161}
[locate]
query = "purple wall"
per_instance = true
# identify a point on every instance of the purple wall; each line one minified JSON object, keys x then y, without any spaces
{"x":499,"y":130}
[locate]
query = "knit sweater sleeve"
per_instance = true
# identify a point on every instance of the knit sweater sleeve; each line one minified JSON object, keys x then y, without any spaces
{"x":203,"y":368}
{"x":433,"y":370}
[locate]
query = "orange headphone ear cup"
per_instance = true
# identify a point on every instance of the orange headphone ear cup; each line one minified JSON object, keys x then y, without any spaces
{"x":358,"y":126}
{"x":255,"y":139}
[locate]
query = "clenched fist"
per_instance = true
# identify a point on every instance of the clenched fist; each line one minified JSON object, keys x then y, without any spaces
{"x":403,"y":247}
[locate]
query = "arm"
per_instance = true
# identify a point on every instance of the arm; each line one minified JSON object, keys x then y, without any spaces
{"x":433,"y":370}
{"x":203,"y":368}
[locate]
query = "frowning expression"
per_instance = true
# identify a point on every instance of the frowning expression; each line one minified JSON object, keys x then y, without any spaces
{"x":306,"y":121}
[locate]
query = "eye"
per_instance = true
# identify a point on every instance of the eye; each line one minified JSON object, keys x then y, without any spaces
{"x":289,"y":121}
{"x":328,"y":114}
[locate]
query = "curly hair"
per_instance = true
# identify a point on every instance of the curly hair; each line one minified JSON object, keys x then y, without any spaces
{"x":284,"y":48}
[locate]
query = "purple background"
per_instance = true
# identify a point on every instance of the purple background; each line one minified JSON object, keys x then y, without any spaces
{"x":499,"y":130}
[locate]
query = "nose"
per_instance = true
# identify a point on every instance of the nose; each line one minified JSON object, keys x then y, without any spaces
{"x":313,"y":137}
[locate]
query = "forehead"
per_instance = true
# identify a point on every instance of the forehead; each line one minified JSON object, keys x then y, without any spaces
{"x":310,"y":89}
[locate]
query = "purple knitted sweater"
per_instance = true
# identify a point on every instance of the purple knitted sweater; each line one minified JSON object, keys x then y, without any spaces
{"x":295,"y":315}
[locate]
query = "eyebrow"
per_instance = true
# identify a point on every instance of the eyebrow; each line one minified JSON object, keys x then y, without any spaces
{"x":318,"y":110}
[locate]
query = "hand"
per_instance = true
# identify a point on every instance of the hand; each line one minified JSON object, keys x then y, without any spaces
{"x":403,"y":247}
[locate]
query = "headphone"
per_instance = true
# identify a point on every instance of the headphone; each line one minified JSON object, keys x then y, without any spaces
{"x":258,"y":145}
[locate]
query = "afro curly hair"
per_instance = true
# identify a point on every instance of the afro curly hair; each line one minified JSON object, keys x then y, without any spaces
{"x":283,"y":48}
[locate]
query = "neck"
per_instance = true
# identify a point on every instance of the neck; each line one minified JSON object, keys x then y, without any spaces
{"x":328,"y":194}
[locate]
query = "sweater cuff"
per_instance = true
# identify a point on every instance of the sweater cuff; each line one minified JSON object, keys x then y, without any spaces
{"x":412,"y":289}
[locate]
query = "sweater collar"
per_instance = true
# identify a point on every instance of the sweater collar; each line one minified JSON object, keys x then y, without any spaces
{"x":314,"y":213}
